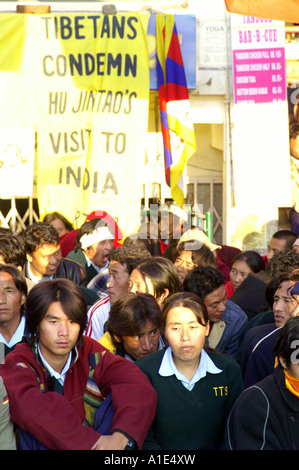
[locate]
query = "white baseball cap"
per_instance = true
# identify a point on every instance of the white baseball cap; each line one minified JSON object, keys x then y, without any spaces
{"x":199,"y":235}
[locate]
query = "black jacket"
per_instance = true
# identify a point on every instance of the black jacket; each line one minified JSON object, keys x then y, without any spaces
{"x":265,"y":417}
{"x":72,"y":270}
{"x":67,"y":269}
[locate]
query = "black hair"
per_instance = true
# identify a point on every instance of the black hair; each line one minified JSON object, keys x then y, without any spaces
{"x":162,"y":274}
{"x":17,"y":275}
{"x":88,"y":227}
{"x":286,"y":235}
{"x":283,"y":262}
{"x":129,"y":314}
{"x":48,"y":218}
{"x":286,"y":345}
{"x":203,"y":280}
{"x":38,"y":234}
{"x":13,"y":249}
{"x":201,"y":254}
{"x":188,"y":300}
{"x":42,"y":295}
{"x":19,"y":280}
{"x":129,"y":255}
{"x":276,"y":282}
{"x":253,"y":260}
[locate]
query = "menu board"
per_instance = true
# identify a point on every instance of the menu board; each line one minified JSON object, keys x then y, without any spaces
{"x":258,"y":54}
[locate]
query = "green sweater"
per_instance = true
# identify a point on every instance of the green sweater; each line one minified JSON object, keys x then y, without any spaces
{"x":196,"y":419}
{"x":79,"y":257}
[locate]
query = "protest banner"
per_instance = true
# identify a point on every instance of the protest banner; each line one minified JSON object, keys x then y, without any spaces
{"x":88,"y":75}
{"x":92,"y":115}
{"x":81,"y":82}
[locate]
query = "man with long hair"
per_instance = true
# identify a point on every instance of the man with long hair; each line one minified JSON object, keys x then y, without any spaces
{"x":58,"y":380}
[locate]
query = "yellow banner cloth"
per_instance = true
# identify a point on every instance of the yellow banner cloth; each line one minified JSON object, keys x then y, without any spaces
{"x":87,"y":77}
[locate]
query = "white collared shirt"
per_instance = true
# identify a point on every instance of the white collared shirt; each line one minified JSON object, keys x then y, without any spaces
{"x":37,"y":279}
{"x":17,"y":336}
{"x":167,"y":367}
{"x":97,"y":268}
{"x":59,"y":376}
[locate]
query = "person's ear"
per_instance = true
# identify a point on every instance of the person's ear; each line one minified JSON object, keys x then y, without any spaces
{"x":163,"y":296}
{"x":282,"y":362}
{"x":29,"y":257}
{"x":23,"y":299}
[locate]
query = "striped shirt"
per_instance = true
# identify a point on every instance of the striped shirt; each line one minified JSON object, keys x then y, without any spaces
{"x":97,"y":316}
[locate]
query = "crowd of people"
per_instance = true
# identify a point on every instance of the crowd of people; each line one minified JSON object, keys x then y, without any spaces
{"x":164,"y":342}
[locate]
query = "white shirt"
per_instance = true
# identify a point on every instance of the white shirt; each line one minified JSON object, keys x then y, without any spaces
{"x":167,"y":367}
{"x":17,"y":336}
{"x":37,"y":279}
{"x":97,"y":268}
{"x":59,"y":376}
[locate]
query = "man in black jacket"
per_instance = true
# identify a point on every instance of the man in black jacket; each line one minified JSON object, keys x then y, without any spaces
{"x":44,"y":259}
{"x":45,"y":262}
{"x":266,"y":415}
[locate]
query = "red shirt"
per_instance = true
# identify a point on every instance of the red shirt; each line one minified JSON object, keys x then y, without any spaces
{"x":56,"y":420}
{"x":229,"y":289}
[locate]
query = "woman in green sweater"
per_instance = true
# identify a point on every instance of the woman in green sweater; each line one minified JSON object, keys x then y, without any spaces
{"x":196,"y":388}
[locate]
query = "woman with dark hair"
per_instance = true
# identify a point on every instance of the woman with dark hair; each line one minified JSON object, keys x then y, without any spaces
{"x":133,"y":326}
{"x":61,"y":224}
{"x":58,"y":379}
{"x":245,"y":263}
{"x":190,"y":254}
{"x":265,"y":417}
{"x":156,"y":276}
{"x":196,"y":387}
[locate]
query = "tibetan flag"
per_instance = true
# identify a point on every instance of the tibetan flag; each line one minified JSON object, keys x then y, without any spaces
{"x":175,"y":112}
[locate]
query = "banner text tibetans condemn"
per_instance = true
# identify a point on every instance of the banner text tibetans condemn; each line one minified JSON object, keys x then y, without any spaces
{"x":90,"y":27}
{"x":102,"y":26}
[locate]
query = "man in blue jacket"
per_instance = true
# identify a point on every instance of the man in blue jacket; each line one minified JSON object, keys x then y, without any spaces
{"x":227,"y":319}
{"x":261,"y":361}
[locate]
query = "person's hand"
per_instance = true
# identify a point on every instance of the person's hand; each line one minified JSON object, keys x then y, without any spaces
{"x":117,"y":441}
